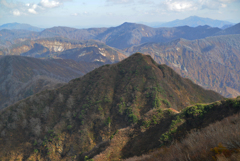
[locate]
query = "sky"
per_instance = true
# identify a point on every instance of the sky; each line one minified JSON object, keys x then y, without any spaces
{"x":105,"y":13}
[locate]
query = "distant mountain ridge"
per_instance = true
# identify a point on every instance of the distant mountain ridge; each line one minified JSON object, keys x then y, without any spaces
{"x":20,"y":26}
{"x":194,"y":21}
{"x":121,"y":37}
{"x":235,"y":29}
{"x":129,"y":34}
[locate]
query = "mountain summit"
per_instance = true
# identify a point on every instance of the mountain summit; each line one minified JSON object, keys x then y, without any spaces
{"x":82,"y":115}
{"x":194,"y":21}
{"x":20,"y":26}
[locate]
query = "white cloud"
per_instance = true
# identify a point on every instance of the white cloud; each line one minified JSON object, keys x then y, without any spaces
{"x":6,"y":4}
{"x":178,"y":5}
{"x":18,"y":8}
{"x":223,"y":5}
{"x":49,"y":4}
{"x":188,"y":5}
{"x":33,"y":9}
{"x":227,"y":1}
{"x":74,"y":14}
{"x":16,"y":13}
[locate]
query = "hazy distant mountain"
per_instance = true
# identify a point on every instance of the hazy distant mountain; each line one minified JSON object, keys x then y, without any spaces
{"x":194,"y":21}
{"x":21,"y":76}
{"x":20,"y":26}
{"x":152,"y":24}
{"x":212,"y":62}
{"x":235,"y":29}
{"x":121,"y":37}
{"x":226,"y":26}
{"x":9,"y":37}
{"x":71,"y":33}
{"x":129,"y":34}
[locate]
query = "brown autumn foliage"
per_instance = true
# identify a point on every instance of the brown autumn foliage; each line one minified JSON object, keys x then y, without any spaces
{"x":72,"y":120}
{"x":219,"y":141}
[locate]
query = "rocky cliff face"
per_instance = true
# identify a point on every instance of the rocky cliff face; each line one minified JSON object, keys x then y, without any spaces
{"x":69,"y":122}
{"x":211,"y":62}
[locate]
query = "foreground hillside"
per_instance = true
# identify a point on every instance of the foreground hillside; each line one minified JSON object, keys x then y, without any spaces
{"x":201,"y":132}
{"x":21,"y":77}
{"x":212,"y":62}
{"x":79,"y":118}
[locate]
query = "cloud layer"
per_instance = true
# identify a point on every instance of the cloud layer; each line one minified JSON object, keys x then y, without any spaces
{"x":20,"y":8}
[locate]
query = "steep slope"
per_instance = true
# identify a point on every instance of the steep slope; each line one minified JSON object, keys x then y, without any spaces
{"x":21,"y":77}
{"x":201,"y":132}
{"x":235,"y":29}
{"x":88,"y":51}
{"x":20,"y":26}
{"x":194,"y":21}
{"x":69,"y":121}
{"x":212,"y":62}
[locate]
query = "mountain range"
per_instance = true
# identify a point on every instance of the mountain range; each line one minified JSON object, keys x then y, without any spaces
{"x":131,"y":35}
{"x":121,"y":37}
{"x":77,"y":119}
{"x":192,"y":21}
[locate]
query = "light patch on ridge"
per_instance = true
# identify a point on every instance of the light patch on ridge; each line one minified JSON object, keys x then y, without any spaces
{"x":185,"y":69}
{"x":176,"y":65}
{"x":98,"y":60}
{"x":82,"y":54}
{"x":103,"y":54}
{"x":58,"y":48}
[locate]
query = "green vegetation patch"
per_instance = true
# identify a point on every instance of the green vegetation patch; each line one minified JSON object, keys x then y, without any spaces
{"x":197,"y":110}
{"x":166,"y":102}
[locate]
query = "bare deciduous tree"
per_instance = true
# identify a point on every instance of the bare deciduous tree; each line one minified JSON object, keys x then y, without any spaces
{"x":70,"y":102}
{"x":35,"y":125}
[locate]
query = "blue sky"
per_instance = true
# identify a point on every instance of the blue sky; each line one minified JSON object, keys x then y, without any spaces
{"x":98,"y":13}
